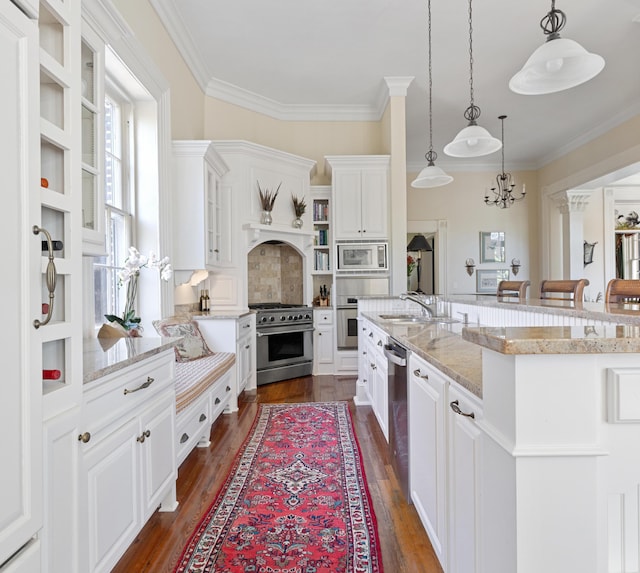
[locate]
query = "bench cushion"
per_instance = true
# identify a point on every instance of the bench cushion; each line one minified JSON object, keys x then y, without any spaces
{"x":192,"y":378}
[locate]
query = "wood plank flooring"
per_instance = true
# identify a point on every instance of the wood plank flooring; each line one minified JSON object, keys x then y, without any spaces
{"x":405,"y":546}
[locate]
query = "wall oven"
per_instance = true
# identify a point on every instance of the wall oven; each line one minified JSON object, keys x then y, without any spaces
{"x":284,"y":345}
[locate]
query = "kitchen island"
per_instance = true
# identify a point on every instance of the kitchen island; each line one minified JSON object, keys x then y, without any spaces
{"x":545,"y":476}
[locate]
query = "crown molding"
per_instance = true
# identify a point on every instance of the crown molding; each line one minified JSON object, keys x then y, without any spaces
{"x":181,"y":37}
{"x":398,"y":85}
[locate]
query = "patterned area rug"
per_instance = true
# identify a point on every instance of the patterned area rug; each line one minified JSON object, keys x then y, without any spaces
{"x":295,"y":501}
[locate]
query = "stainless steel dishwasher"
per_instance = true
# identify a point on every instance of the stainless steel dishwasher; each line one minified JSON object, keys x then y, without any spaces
{"x":398,"y":413}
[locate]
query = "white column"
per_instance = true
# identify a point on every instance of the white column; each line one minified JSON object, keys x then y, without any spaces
{"x":398,"y":181}
{"x":571,"y":205}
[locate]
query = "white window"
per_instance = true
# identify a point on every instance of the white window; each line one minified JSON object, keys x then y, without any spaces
{"x":119,"y":201}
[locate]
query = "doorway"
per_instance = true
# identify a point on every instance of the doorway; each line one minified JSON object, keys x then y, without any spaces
{"x":433,"y":272}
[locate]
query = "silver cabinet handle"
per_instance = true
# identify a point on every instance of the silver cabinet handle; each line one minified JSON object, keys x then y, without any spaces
{"x":141,"y":387}
{"x":142,"y":437}
{"x":52,"y":277}
{"x":417,"y":373}
{"x":456,"y":408}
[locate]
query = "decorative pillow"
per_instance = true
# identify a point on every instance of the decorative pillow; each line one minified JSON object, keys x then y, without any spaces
{"x":192,"y":345}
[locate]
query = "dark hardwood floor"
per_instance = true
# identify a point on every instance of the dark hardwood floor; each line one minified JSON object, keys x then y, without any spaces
{"x":405,"y":546}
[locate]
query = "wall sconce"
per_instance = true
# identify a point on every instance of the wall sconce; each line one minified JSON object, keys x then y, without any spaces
{"x":588,"y":252}
{"x":515,"y":266}
{"x":471,"y":265}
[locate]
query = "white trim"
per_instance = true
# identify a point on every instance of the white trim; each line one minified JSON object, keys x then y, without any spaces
{"x":242,"y":147}
{"x":398,"y":85}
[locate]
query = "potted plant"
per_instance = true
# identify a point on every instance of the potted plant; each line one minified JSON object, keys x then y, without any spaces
{"x":299,"y":207}
{"x":267,"y":199}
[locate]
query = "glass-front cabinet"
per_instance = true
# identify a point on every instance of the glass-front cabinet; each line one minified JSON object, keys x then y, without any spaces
{"x":92,"y":117}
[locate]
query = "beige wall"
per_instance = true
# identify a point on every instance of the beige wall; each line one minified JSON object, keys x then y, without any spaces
{"x":310,"y":139}
{"x":187,"y":99}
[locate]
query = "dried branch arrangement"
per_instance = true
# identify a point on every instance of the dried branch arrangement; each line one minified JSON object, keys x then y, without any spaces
{"x":267,"y":197}
{"x":299,"y":206}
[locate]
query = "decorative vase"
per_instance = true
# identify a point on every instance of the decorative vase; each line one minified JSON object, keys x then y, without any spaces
{"x":266,"y":218}
{"x":297,"y":223}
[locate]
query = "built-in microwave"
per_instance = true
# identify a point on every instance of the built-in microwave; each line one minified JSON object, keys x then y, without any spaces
{"x":362,"y":257}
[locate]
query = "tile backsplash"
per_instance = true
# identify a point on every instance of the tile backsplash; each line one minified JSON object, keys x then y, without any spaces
{"x":275,"y":274}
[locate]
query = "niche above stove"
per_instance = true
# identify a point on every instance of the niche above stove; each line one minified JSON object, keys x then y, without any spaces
{"x":275,"y":274}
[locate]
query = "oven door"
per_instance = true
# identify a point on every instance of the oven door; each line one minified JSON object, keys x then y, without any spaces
{"x":285,"y":345}
{"x":347,"y":328}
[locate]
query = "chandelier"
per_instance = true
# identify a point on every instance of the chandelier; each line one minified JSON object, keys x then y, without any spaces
{"x":503,"y":196}
{"x":431,"y":175}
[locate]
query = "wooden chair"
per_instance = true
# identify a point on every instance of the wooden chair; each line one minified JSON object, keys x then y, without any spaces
{"x":563,"y":289}
{"x":622,"y":290}
{"x":513,"y":289}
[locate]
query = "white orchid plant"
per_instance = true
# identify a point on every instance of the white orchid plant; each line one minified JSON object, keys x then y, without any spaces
{"x":129,"y":275}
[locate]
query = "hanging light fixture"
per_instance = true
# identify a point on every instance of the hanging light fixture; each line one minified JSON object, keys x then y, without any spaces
{"x":473,"y":140}
{"x":558,"y":64}
{"x":503,"y":196}
{"x":431,"y":176}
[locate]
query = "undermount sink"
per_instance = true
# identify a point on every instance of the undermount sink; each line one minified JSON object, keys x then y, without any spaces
{"x":414,"y":318}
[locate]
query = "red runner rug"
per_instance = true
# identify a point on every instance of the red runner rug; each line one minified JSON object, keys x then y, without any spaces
{"x":295,"y":501}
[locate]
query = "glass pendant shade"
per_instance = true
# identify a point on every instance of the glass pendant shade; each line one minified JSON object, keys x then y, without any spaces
{"x":557,"y":65}
{"x":473,"y":141}
{"x":431,"y":176}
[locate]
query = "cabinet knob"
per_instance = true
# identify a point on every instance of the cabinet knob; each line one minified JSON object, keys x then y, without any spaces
{"x":184,"y":438}
{"x":379,"y":342}
{"x":142,"y":437}
{"x":247,"y":346}
{"x":217,"y":401}
{"x":84,"y":438}
{"x":228,"y":389}
{"x":319,"y":333}
{"x":419,"y":374}
{"x":203,"y":417}
{"x":455,"y":406}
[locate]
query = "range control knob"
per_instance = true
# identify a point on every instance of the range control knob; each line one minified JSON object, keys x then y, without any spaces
{"x":272,"y":318}
{"x":307,"y":316}
{"x":283,"y":317}
{"x":290,"y":317}
{"x":299,"y":317}
{"x":263,"y":319}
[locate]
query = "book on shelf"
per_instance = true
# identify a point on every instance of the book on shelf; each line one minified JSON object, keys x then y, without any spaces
{"x":320,"y":211}
{"x":322,"y":261}
{"x":322,"y":238}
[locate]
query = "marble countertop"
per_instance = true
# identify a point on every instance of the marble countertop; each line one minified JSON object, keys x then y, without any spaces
{"x":102,"y":356}
{"x":616,"y":338}
{"x":442,"y":346}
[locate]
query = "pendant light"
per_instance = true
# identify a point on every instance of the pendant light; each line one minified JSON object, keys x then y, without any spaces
{"x":473,"y":140}
{"x":431,"y":176}
{"x":558,"y":64}
{"x":503,"y":195}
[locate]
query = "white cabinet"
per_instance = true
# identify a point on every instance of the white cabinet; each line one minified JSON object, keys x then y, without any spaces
{"x":127,"y":457}
{"x":427,"y":450}
{"x":245,"y":353}
{"x":20,"y":407}
{"x":201,"y":207}
{"x":464,"y":453}
{"x":323,"y":341}
{"x":360,"y":196}
{"x":374,"y":363}
{"x":237,"y":335}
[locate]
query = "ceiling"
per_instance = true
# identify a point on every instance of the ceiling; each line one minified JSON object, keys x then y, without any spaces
{"x":299,"y":59}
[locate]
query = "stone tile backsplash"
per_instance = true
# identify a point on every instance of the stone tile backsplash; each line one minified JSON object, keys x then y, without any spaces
{"x":275,"y":274}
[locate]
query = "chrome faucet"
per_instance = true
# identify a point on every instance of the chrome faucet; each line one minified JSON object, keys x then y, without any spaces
{"x":426,"y":310}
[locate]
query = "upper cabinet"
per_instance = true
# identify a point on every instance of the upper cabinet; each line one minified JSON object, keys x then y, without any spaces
{"x":360,"y":195}
{"x":201,"y":207}
{"x":93,"y":172}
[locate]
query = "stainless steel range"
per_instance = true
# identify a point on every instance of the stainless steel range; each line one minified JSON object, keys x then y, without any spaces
{"x":284,"y":347}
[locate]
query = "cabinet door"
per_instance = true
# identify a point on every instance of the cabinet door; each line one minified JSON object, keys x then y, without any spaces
{"x":110,"y":482}
{"x":348,"y":222}
{"x":244,"y":361}
{"x":323,"y":348}
{"x":374,"y":199}
{"x":156,"y":445}
{"x":427,"y":453}
{"x":465,"y":445}
{"x":20,"y":407}
{"x":381,"y":392}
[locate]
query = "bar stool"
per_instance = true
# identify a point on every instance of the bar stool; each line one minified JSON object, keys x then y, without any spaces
{"x":563,"y":289}
{"x":513,"y":289}
{"x":622,"y":290}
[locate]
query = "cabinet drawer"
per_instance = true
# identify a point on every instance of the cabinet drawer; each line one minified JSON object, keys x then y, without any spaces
{"x":192,"y":425}
{"x":221,"y":393}
{"x":322,"y":317}
{"x":117,"y":393}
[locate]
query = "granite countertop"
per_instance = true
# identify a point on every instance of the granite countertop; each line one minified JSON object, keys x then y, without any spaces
{"x":218,"y":314}
{"x":102,"y":356}
{"x":442,"y":346}
{"x":616,"y":338}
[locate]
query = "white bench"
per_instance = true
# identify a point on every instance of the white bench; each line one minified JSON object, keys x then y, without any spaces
{"x":204,"y":389}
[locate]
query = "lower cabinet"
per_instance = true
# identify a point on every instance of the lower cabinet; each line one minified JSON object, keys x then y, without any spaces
{"x":245,"y":354}
{"x":373,"y":363}
{"x":323,"y":342}
{"x":127,"y":458}
{"x":445,"y":453}
{"x":464,"y":452}
{"x":427,"y":450}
